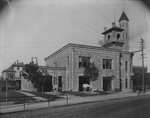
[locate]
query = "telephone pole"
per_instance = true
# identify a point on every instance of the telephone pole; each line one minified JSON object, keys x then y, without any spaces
{"x":143,"y":84}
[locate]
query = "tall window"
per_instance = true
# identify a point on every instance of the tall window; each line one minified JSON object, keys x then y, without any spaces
{"x":67,"y":62}
{"x":126,"y":66}
{"x":68,"y":81}
{"x":108,"y":37}
{"x":55,"y":81}
{"x":126,"y":83}
{"x":107,"y":63}
{"x":84,"y":61}
{"x":118,"y":36}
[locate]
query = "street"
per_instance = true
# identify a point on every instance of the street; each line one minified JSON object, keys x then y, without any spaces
{"x":136,"y":107}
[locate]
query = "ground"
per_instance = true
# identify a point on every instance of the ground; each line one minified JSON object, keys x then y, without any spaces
{"x":136,"y":107}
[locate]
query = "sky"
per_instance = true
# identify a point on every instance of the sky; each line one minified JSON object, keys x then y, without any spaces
{"x":37,"y":28}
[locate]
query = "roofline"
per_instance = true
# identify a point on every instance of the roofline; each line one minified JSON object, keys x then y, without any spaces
{"x":18,"y":65}
{"x":113,"y":28}
{"x":59,"y":50}
{"x":82,"y":46}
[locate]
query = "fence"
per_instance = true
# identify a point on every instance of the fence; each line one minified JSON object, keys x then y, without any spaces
{"x":31,"y":102}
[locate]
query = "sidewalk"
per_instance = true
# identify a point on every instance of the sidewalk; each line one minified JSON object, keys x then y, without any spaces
{"x":70,"y":100}
{"x":32,"y":95}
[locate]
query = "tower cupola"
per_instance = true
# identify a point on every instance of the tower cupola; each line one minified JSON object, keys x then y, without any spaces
{"x":123,"y":17}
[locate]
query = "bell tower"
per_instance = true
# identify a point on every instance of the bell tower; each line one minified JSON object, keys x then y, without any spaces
{"x":113,"y":38}
{"x":124,"y":24}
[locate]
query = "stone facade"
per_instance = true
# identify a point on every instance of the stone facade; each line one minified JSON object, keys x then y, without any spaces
{"x":114,"y":54}
{"x":69,"y":55}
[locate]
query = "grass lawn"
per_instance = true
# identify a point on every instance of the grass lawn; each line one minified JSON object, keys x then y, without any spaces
{"x":84,"y":94}
{"x":46,"y":96}
{"x":13,"y":96}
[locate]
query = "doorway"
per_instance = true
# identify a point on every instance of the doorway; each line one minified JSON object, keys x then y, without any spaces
{"x":106,"y":84}
{"x":60,"y":83}
{"x":82,"y":80}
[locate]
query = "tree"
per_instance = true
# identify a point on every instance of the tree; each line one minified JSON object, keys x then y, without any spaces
{"x":38,"y":79}
{"x":32,"y":73}
{"x":91,"y":72}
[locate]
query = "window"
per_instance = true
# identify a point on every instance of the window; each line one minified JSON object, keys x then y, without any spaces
{"x":126,"y":35}
{"x":55,"y":81}
{"x":126,"y":83}
{"x":123,"y":35}
{"x":108,"y":37}
{"x":18,"y":68}
{"x":55,"y":64}
{"x":84,"y":61}
{"x":107,"y":63}
{"x":126,"y":66}
{"x":10,"y":75}
{"x":68,"y":81}
{"x":67,"y":62}
{"x":118,"y":36}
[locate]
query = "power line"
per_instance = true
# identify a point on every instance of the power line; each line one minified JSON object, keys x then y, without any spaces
{"x":83,"y":19}
{"x":100,"y":13}
{"x":83,"y":22}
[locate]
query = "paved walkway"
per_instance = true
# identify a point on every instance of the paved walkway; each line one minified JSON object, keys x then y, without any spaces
{"x":32,"y":95}
{"x":71,"y":100}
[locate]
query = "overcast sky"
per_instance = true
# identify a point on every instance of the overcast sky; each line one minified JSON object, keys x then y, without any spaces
{"x":37,"y":28}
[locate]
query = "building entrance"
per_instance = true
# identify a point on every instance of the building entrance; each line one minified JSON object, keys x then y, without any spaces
{"x":107,"y":84}
{"x":82,"y":80}
{"x":60,"y":83}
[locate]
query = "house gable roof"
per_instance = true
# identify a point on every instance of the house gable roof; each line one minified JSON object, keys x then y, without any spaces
{"x":10,"y":69}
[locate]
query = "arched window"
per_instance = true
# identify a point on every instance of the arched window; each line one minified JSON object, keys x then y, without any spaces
{"x":108,"y":37}
{"x":118,"y":36}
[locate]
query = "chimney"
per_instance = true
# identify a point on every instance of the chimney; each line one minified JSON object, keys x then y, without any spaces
{"x":17,"y":61}
{"x":113,"y":24}
{"x":105,"y":28}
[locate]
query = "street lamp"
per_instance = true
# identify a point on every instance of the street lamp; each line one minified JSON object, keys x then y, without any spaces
{"x":43,"y":81}
{"x":6,"y":95}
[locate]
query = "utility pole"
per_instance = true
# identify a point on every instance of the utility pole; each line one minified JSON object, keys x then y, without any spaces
{"x":143,"y":84}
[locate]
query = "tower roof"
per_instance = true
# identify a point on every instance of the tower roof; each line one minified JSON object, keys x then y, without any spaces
{"x":123,"y":17}
{"x":113,"y":28}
